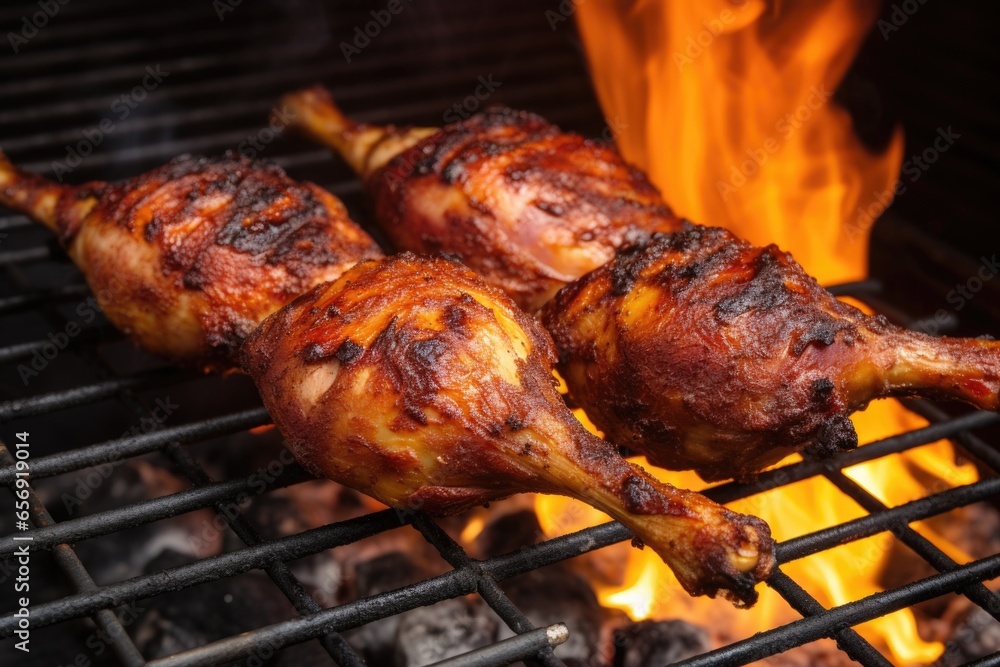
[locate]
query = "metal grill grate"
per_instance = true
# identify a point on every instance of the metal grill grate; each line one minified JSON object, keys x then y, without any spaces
{"x":225,"y":77}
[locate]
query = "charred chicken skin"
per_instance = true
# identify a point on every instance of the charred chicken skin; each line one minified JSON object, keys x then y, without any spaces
{"x":414,"y":381}
{"x":707,"y":353}
{"x":528,"y":207}
{"x":189,"y":258}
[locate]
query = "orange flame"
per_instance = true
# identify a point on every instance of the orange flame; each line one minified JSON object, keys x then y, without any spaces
{"x":834,"y":577}
{"x":728,"y":106}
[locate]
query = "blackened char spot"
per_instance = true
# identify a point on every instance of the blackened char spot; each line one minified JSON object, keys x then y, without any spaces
{"x":627,"y":267}
{"x":491,"y":148}
{"x":824,"y":331}
{"x":688,"y":238}
{"x":415,"y":413}
{"x":453,"y":170}
{"x":822,"y":389}
{"x":764,"y":292}
{"x":193,"y":278}
{"x":312,"y":353}
{"x":513,"y":423}
{"x":836,"y":434}
{"x":96,"y":190}
{"x":151,"y":229}
{"x":552,"y":208}
{"x":639,"y":496}
{"x":427,"y":352}
{"x":348,"y":351}
{"x":455,"y":317}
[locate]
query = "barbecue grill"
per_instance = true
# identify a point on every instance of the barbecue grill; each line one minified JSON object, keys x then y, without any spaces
{"x":226,"y":64}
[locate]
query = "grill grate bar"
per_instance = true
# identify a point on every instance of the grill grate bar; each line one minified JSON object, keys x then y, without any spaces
{"x":260,"y":106}
{"x":20,"y":302}
{"x":70,"y":565}
{"x":848,"y":639}
{"x":208,"y":569}
{"x":987,"y":455}
{"x":127,"y":447}
{"x":91,"y":393}
{"x":795,"y":472}
{"x":216,"y":141}
{"x":282,"y":81}
{"x":806,"y":630}
{"x":255,"y":54}
{"x":335,"y":645}
{"x":148,"y":511}
{"x":509,"y":651}
{"x":455,"y":555}
{"x":988,"y":661}
{"x":88,"y":336}
{"x":13,"y":221}
{"x":27,"y":255}
{"x":452,"y":584}
{"x":879,"y":521}
{"x":920,"y":545}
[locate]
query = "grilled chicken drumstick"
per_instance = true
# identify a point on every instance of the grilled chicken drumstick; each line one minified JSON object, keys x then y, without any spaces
{"x":414,"y":381}
{"x":707,"y":353}
{"x":190,"y":257}
{"x":528,"y":207}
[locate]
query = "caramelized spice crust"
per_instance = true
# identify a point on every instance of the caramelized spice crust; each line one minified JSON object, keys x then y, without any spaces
{"x":414,"y":381}
{"x":526,"y":206}
{"x":707,"y":353}
{"x":188,"y":258}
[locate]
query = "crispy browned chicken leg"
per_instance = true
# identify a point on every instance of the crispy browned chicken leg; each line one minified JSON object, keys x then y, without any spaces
{"x":528,"y":207}
{"x":414,"y":381}
{"x":707,"y":353}
{"x":190,"y":257}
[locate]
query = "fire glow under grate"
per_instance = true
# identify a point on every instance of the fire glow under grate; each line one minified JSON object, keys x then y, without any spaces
{"x":469,"y":575}
{"x":219,"y":86}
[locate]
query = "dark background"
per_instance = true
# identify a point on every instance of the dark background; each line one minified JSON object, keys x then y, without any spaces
{"x":229,"y":63}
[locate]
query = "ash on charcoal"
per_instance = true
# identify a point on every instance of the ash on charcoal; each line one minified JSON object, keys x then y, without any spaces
{"x":974,"y":637}
{"x":514,"y":525}
{"x":376,"y":641}
{"x":443,"y":630}
{"x":127,"y":553}
{"x":659,"y":643}
{"x":552,"y":595}
{"x":556,"y":594}
{"x":509,"y":532}
{"x":184,"y":619}
{"x":299,"y":508}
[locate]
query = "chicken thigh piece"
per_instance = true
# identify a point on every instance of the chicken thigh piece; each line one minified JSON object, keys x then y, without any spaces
{"x":526,"y":206}
{"x":707,"y":353}
{"x":189,"y":258}
{"x":414,"y":381}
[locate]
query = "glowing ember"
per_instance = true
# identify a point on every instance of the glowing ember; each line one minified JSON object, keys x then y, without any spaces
{"x":834,"y":577}
{"x":727,"y":105}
